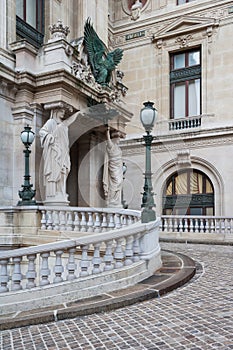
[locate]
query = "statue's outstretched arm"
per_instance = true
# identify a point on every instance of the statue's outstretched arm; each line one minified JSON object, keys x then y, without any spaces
{"x":71,"y":119}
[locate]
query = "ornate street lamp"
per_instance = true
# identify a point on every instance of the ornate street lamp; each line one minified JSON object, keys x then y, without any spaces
{"x":148,"y":115}
{"x":27,"y":193}
{"x":123,"y":202}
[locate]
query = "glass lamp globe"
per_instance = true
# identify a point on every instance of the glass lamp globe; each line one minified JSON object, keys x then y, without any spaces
{"x":148,"y":115}
{"x":27,"y":136}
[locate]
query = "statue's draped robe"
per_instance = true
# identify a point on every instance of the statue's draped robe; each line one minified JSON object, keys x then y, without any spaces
{"x":113,"y":175}
{"x":56,"y":157}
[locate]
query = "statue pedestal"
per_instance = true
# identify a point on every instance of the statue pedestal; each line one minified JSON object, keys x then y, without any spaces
{"x":58,"y":200}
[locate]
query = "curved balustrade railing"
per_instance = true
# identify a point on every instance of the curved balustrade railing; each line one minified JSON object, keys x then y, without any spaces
{"x":54,"y":263}
{"x":196,"y":224}
{"x":86,"y":219}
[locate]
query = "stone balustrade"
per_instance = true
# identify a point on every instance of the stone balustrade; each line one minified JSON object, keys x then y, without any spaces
{"x":86,"y":219}
{"x":211,"y":227}
{"x":185,"y":123}
{"x":195,"y":224}
{"x":77,"y":268}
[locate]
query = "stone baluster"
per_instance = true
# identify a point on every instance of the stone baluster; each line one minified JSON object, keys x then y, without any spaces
{"x":4,"y":278}
{"x":212,"y":227}
{"x":196,"y":229}
{"x":62,"y":216}
{"x":49,"y":220}
{"x":69,"y":226}
{"x":58,"y":267}
{"x":191,"y":226}
{"x":71,"y":266}
{"x":223,"y":226}
{"x":31,"y":272}
{"x":117,"y":221}
{"x":186,"y":225}
{"x":129,"y":251}
{"x":170,"y":224}
{"x":96,"y":261}
{"x":207,"y":226}
{"x":43,"y":220}
{"x":123,"y":220}
{"x":228,"y":225}
{"x":76,"y":221}
{"x":108,"y":258}
{"x":201,"y":225}
{"x":97,"y":222}
{"x":129,"y":220}
{"x":180,"y":225}
{"x":104,"y":223}
{"x":175,"y":225}
{"x":56,"y":220}
{"x":118,"y":254}
{"x":84,"y":264}
{"x":90,"y":223}
{"x":83,"y":222}
{"x":16,"y":276}
{"x":164,"y":225}
{"x":111,"y":223}
{"x":44,"y":271}
{"x":136,"y":248}
{"x":231,"y":226}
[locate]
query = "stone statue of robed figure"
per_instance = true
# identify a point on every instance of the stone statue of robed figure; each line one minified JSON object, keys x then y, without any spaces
{"x":55,"y":143}
{"x":113,"y":170}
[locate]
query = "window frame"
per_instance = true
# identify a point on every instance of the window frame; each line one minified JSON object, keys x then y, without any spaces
{"x":24,"y":30}
{"x":184,"y":76}
{"x":204,"y":200}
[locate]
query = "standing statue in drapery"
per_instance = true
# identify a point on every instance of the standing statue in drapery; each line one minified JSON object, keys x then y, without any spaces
{"x":113,"y":170}
{"x":55,"y":144}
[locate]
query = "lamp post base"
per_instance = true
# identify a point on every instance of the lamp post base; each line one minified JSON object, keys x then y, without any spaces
{"x":30,"y":202}
{"x":148,"y":215}
{"x":26,"y":194}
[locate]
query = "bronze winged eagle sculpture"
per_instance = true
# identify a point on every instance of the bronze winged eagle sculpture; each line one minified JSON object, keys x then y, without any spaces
{"x":101,"y":61}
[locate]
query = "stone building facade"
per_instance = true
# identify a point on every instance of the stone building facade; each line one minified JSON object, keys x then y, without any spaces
{"x":177,"y":53}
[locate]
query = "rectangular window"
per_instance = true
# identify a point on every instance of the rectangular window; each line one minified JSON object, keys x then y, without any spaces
{"x":30,"y":21}
{"x":185,"y":84}
{"x":30,"y":11}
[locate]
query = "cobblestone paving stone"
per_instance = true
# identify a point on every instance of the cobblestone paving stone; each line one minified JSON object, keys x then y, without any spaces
{"x":196,"y":316}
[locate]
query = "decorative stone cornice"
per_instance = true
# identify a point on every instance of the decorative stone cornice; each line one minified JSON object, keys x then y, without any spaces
{"x":182,"y":28}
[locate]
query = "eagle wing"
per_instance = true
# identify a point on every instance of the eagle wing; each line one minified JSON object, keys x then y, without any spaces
{"x":116,"y":55}
{"x":94,"y":46}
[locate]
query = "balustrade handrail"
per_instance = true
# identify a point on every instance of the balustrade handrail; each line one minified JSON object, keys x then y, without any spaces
{"x":81,"y":241}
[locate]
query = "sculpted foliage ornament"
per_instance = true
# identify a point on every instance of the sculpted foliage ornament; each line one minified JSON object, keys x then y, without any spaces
{"x":101,"y":61}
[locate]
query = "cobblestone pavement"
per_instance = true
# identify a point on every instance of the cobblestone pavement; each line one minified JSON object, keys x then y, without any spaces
{"x":196,"y":316}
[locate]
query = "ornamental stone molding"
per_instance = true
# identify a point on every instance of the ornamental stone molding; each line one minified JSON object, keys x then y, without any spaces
{"x":58,"y":31}
{"x":184,"y":40}
{"x":168,"y":144}
{"x":134,"y":8}
{"x":184,"y":29}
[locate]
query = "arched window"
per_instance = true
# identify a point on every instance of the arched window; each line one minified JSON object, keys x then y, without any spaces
{"x":188,"y":192}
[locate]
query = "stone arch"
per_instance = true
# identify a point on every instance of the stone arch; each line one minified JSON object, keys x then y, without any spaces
{"x":200,"y":164}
